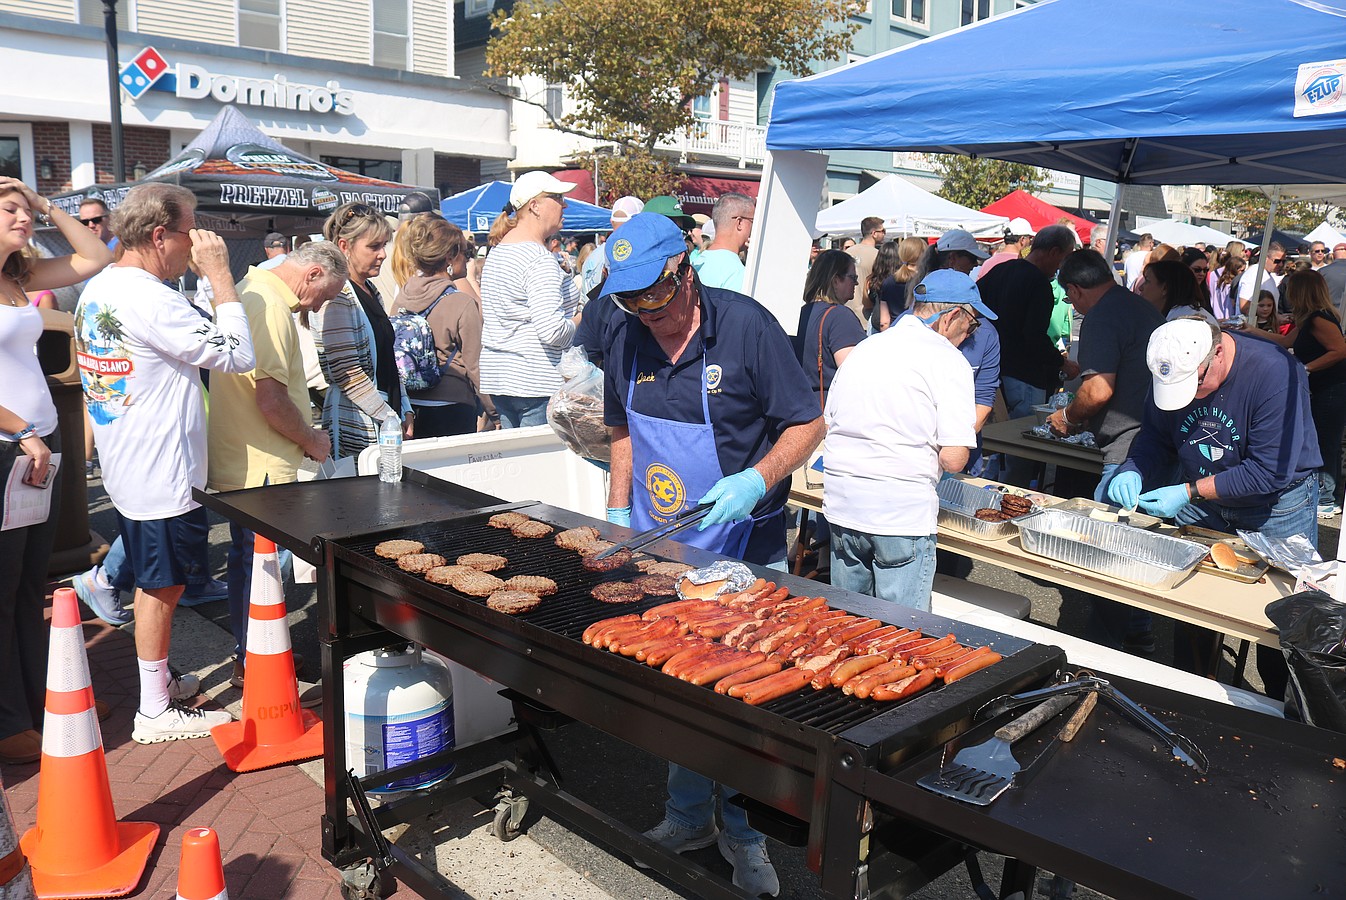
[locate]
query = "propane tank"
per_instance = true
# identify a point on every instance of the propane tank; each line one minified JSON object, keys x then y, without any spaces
{"x":399,"y":708}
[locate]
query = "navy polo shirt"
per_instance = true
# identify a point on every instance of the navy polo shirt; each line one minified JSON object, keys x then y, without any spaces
{"x":756,"y":387}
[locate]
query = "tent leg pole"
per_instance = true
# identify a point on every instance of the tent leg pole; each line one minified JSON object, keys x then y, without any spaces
{"x":1262,"y":254}
{"x":1114,"y":217}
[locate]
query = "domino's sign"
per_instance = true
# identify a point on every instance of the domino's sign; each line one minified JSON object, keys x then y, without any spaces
{"x":150,"y":71}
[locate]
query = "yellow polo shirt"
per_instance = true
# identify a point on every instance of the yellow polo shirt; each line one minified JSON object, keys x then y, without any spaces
{"x":244,"y":451}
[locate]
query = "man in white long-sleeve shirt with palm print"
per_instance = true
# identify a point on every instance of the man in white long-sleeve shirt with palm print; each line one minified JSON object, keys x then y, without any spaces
{"x":140,"y":345}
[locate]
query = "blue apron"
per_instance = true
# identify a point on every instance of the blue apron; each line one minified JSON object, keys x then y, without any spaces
{"x":673,"y":465}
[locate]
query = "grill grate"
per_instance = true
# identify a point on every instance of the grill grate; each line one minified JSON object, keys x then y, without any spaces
{"x":571,"y":609}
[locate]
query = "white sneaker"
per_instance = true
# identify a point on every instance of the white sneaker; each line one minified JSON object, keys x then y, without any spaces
{"x":753,"y":872}
{"x":183,"y":687}
{"x":679,"y":838}
{"x":177,"y":723}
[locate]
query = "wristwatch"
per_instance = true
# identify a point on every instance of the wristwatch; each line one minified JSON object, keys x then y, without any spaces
{"x":26,"y":432}
{"x":1192,"y":492}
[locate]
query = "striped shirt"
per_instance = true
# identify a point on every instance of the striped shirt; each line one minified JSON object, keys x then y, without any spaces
{"x":527,"y":303}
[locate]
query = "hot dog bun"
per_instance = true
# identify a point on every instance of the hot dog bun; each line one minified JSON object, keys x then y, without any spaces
{"x":1224,"y":556}
{"x":689,"y":590}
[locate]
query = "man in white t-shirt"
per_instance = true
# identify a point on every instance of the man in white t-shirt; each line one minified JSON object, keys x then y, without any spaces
{"x":1135,"y":260}
{"x":888,"y":449}
{"x":140,"y":349}
{"x":1272,"y":276}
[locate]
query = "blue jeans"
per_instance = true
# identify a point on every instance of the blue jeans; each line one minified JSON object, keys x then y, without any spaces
{"x":520,"y":412}
{"x":890,"y":567}
{"x":1020,"y":398}
{"x":691,"y":802}
{"x":1294,"y":512}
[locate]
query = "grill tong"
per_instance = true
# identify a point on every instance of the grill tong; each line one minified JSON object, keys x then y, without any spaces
{"x":659,"y":532}
{"x":1183,"y":748}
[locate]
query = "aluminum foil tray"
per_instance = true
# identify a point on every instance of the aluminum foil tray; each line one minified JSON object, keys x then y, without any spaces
{"x":958,"y":505}
{"x":1115,"y":551}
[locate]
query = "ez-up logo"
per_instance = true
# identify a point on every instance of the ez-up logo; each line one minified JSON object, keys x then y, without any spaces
{"x":149,"y":71}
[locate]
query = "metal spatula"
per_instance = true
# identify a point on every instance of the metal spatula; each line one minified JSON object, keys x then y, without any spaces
{"x":982,"y":773}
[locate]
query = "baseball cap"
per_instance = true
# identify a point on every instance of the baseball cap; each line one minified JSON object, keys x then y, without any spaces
{"x":669,"y":206}
{"x":531,"y":184}
{"x":958,"y":239}
{"x":700,"y":218}
{"x":708,"y":230}
{"x":1019,"y":227}
{"x":275,"y":239}
{"x":952,"y":286}
{"x":638,"y":252}
{"x":1174,"y":355}
{"x":625,"y":208}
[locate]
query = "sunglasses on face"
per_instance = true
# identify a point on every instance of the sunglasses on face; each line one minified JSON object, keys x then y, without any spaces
{"x":96,"y":220}
{"x":653,"y":298}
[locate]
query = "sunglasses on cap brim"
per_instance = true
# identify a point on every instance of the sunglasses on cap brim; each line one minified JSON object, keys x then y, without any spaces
{"x":654,"y":298}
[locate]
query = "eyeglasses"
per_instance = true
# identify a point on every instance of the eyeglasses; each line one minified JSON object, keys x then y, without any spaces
{"x":96,"y":220}
{"x":559,"y":198}
{"x":1277,"y":262}
{"x":974,"y":320}
{"x":1319,"y":252}
{"x":744,"y":218}
{"x":654,"y":298}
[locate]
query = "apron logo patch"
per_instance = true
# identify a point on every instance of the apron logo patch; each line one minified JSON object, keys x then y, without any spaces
{"x":665,"y":489}
{"x":713,"y":376}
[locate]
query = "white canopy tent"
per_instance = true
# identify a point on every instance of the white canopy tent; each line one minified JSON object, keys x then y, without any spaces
{"x":1184,"y":234}
{"x":906,"y":210}
{"x":1327,"y":234}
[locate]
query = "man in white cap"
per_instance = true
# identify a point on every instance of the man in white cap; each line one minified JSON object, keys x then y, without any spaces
{"x":1231,"y":410}
{"x":888,"y":449}
{"x":1018,"y":238}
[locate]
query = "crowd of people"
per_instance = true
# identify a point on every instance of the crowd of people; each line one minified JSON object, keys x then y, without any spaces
{"x":1209,"y":406}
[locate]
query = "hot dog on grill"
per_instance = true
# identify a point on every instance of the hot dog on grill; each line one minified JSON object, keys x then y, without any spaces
{"x":748,"y":675}
{"x":772,"y":687}
{"x":975,"y":664}
{"x":865,"y":684}
{"x":905,"y":688}
{"x":928,"y":649}
{"x":712,"y":673}
{"x":853,"y":666}
{"x":592,"y":630}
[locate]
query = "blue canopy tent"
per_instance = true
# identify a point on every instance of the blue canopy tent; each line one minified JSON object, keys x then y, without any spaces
{"x":1250,"y":94}
{"x":476,"y":208}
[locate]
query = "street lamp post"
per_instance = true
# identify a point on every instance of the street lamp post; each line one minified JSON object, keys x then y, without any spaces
{"x":114,"y":90}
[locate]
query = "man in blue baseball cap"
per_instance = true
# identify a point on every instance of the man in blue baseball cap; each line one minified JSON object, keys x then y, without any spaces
{"x":888,"y":449}
{"x":707,"y":404}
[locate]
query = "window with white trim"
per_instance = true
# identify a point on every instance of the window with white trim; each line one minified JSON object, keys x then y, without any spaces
{"x":975,"y":11}
{"x":11,"y":157}
{"x":260,"y":24}
{"x":475,"y":9}
{"x":908,"y":11}
{"x":91,"y":13}
{"x":392,"y":33}
{"x":554,"y":99}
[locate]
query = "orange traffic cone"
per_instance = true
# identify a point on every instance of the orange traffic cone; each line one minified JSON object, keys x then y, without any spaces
{"x":200,"y":872}
{"x":16,"y":880}
{"x":273,"y":729}
{"x":78,"y":848}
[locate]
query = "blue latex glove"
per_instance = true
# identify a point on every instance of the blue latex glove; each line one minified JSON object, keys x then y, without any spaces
{"x":734,"y":497}
{"x":1165,"y":501}
{"x":1124,"y":490}
{"x":620,"y":516}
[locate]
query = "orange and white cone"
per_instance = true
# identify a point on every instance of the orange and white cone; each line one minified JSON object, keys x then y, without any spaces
{"x":16,"y":879}
{"x":273,"y":729}
{"x":78,"y":848}
{"x":200,"y":871}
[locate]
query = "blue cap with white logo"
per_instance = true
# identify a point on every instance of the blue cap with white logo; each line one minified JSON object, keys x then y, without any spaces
{"x":638,"y":251}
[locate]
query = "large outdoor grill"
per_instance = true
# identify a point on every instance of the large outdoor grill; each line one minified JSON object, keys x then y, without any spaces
{"x":817,"y":767}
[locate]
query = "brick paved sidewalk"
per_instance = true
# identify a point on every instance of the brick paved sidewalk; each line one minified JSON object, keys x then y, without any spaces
{"x":268,"y":821}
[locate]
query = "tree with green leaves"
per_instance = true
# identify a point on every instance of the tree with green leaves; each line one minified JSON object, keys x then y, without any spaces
{"x":973,"y":182}
{"x":1249,"y":209}
{"x":633,"y":172}
{"x":634,"y":69}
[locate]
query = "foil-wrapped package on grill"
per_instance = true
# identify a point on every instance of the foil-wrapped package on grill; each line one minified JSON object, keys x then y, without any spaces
{"x":723,"y":577}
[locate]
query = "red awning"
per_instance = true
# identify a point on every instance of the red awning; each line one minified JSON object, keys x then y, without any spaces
{"x":699,"y":192}
{"x":1039,"y":213}
{"x":583,"y":180}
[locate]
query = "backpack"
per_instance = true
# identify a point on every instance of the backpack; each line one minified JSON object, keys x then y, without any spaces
{"x":414,"y":347}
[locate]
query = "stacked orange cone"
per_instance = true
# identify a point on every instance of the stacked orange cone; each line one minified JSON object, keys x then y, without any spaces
{"x":16,"y":881}
{"x":273,"y":729}
{"x":200,"y":872}
{"x":78,"y":848}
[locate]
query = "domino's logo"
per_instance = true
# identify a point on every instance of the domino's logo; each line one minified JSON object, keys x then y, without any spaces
{"x":141,"y":73}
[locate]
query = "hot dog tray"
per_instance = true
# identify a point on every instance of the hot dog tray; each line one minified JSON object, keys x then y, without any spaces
{"x":1116,"y":551}
{"x":1248,"y":573}
{"x":959,"y":503}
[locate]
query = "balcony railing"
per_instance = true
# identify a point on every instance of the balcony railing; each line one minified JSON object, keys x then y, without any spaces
{"x":742,"y":142}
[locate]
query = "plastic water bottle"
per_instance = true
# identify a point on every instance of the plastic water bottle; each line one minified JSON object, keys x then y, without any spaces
{"x":390,"y":450}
